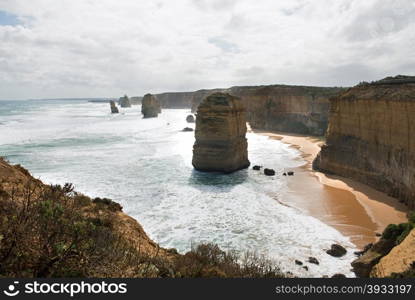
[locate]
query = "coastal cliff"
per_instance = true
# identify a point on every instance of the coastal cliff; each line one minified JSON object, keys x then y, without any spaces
{"x":296,"y":109}
{"x":399,"y":260}
{"x":175,"y":99}
{"x":221,"y":145}
{"x":370,"y":137}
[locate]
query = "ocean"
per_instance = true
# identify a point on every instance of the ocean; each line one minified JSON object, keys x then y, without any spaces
{"x":145,"y":165}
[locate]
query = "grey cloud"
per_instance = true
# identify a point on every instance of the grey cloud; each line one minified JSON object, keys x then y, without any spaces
{"x":224,"y":45}
{"x":294,"y":8}
{"x":237,"y":23}
{"x":383,"y":18}
{"x":205,"y":5}
{"x":250,"y":72}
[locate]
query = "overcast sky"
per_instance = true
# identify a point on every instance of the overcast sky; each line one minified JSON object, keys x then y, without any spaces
{"x":105,"y":48}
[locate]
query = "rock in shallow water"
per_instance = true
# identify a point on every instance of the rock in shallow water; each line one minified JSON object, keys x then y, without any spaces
{"x":338,"y":275}
{"x":313,"y":260}
{"x":269,"y":172}
{"x":336,"y":250}
{"x":221,"y":145}
{"x":190,"y":119}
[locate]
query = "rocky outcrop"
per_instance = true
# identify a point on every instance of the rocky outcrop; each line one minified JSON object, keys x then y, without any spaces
{"x":221,"y":145}
{"x":114,"y":108}
{"x":370,"y":137}
{"x":399,"y":259}
{"x":150,"y":106}
{"x":124,"y":101}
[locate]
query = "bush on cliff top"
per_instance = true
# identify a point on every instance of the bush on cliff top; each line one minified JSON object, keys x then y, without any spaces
{"x":208,"y":260}
{"x":398,"y":232}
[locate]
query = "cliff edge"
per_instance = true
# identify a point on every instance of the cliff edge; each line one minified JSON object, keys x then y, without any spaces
{"x":370,"y":137}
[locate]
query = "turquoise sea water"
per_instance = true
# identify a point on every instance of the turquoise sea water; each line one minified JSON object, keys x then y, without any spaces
{"x":145,"y":164}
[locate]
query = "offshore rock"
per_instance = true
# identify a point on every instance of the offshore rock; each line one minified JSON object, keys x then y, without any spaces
{"x":190,"y":119}
{"x":150,"y":106}
{"x":370,"y":137}
{"x":221,"y":145}
{"x":269,"y":172}
{"x":125,"y":101}
{"x":336,"y":250}
{"x":114,"y":108}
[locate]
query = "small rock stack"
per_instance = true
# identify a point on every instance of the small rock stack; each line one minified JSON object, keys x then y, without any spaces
{"x":125,"y":101}
{"x":221,"y":145}
{"x":114,"y":108}
{"x":150,"y":106}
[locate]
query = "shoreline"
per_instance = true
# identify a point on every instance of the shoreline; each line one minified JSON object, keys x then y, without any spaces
{"x":355,"y":209}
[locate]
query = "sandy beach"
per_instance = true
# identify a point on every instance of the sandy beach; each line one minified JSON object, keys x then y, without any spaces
{"x":355,"y":209}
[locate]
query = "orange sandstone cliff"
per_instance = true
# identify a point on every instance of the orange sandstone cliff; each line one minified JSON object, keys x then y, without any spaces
{"x":370,"y":137}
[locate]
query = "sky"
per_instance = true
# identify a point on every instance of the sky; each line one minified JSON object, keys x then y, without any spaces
{"x":107,"y":48}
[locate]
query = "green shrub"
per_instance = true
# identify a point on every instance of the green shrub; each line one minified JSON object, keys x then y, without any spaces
{"x":411,"y":218}
{"x":208,"y":260}
{"x":397,"y":233}
{"x":112,"y":205}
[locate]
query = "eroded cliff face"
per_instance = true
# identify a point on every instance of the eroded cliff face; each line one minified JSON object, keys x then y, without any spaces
{"x":150,"y":106}
{"x":221,"y":145}
{"x":370,"y":138}
{"x":296,"y":109}
{"x":175,"y":100}
{"x":399,"y":259}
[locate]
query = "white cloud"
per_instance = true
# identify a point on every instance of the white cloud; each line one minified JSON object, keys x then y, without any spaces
{"x":75,"y":48}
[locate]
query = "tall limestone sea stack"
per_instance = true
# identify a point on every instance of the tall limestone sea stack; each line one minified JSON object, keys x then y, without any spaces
{"x":150,"y":106}
{"x":221,"y":145}
{"x":125,"y":101}
{"x":371,"y":137}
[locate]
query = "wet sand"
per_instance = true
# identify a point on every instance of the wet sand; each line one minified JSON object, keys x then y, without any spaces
{"x":353,"y":208}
